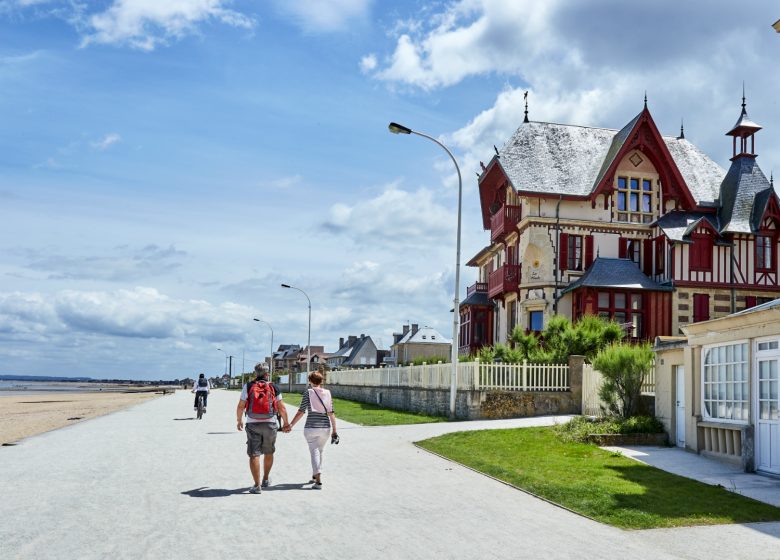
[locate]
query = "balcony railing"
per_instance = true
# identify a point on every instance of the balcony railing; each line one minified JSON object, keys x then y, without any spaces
{"x":504,"y":221}
{"x":477,"y":287}
{"x":505,"y":279}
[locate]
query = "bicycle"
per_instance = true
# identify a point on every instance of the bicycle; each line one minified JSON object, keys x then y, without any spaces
{"x":201,"y":408}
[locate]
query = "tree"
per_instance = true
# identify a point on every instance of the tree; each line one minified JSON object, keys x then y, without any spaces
{"x":624,"y":368}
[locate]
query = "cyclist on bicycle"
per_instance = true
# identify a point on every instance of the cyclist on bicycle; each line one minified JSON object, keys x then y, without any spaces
{"x":201,"y":387}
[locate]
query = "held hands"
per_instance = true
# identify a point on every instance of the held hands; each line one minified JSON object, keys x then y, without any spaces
{"x":287,"y":428}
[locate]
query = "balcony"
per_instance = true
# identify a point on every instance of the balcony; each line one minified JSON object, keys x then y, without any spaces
{"x":504,"y":221}
{"x":504,"y":280}
{"x":477,"y":287}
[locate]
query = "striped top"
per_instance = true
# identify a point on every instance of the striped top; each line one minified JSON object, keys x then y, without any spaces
{"x":317,"y":420}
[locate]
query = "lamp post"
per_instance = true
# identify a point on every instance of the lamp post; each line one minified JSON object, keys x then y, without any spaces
{"x":396,"y":128}
{"x":266,"y":323}
{"x":226,"y":361}
{"x":308,"y":338}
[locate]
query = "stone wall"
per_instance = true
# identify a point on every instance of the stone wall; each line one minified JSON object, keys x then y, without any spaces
{"x":470,"y":405}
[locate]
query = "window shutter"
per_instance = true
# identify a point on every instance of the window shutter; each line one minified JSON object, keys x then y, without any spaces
{"x":647,"y":257}
{"x":563,"y":252}
{"x":588,"y":251}
{"x":701,"y":307}
{"x":622,"y":247}
{"x":750,"y":301}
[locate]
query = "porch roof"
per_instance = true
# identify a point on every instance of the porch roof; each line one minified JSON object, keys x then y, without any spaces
{"x":622,"y":274}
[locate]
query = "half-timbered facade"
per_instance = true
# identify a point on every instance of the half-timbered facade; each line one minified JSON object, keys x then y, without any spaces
{"x":627,"y":224}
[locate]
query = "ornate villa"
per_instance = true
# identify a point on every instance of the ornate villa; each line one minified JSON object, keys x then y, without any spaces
{"x":626,"y":224}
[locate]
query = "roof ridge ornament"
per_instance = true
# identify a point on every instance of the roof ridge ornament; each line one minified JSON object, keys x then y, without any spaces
{"x":525,"y":97}
{"x":682,"y":131}
{"x":645,"y":99}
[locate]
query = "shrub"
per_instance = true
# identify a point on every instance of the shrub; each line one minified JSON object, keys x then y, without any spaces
{"x":624,"y":368}
{"x":580,"y":427}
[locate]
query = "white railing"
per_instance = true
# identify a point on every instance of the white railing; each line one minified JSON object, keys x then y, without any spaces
{"x":471,"y":376}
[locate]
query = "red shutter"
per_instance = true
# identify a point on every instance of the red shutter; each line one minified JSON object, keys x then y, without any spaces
{"x":563,"y":252}
{"x":622,"y":247}
{"x":660,"y":255}
{"x":588,"y":251}
{"x":701,"y":307}
{"x":750,"y":301}
{"x":647,"y":257}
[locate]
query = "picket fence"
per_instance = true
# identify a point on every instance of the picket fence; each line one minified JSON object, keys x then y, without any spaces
{"x":470,"y":376}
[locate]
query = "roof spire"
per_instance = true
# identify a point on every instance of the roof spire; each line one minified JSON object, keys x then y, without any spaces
{"x":772,"y":179}
{"x":743,"y":96}
{"x":525,"y":96}
{"x":645,"y":99}
{"x":682,"y":131}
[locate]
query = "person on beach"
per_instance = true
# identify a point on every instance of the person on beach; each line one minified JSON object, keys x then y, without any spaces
{"x":201,"y":387}
{"x":261,"y":400}
{"x":320,"y":423}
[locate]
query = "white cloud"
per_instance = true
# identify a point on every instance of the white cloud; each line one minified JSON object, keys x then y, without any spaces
{"x":107,"y":141}
{"x":324,"y":15}
{"x":146,"y":24}
{"x":395,"y":218}
{"x":286,"y":182}
{"x":368,"y":63}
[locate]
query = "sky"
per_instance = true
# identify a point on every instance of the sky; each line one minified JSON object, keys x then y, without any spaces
{"x":165,"y":166}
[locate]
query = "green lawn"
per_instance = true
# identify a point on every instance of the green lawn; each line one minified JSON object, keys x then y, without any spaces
{"x":605,"y":486}
{"x":369,"y":414}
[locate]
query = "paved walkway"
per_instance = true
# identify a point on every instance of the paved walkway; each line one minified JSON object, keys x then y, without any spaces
{"x":148,"y":482}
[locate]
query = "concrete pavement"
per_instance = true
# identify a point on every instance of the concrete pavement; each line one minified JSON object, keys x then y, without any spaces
{"x":148,"y":482}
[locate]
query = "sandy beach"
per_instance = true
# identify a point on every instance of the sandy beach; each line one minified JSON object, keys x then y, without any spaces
{"x":25,"y":415}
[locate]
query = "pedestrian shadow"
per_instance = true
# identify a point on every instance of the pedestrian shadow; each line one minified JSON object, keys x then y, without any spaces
{"x":206,"y":492}
{"x":298,"y":486}
{"x":220,"y":433}
{"x":191,"y":418}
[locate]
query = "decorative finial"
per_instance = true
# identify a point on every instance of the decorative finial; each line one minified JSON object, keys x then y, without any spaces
{"x":743,"y":95}
{"x":772,"y":179}
{"x":645,"y":99}
{"x":496,"y":149}
{"x":682,"y":131}
{"x":525,"y":96}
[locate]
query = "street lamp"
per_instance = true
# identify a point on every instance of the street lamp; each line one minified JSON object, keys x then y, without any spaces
{"x":308,"y":340}
{"x":396,"y":128}
{"x":272,"y":345}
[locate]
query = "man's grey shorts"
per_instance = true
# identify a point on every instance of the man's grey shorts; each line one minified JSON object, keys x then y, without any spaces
{"x":260,"y":438}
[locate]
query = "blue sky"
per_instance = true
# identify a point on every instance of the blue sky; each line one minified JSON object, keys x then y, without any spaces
{"x":164,"y":166}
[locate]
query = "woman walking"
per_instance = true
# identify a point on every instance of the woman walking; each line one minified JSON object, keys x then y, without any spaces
{"x":320,"y":423}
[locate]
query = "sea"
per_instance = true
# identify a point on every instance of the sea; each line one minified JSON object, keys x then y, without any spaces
{"x":10,"y":387}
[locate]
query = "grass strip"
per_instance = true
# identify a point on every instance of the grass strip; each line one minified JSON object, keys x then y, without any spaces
{"x":599,"y":484}
{"x":367,"y":414}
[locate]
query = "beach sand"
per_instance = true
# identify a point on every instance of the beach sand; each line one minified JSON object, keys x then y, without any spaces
{"x":25,"y":415}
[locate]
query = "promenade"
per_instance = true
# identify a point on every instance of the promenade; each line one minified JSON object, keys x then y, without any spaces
{"x":150,"y":482}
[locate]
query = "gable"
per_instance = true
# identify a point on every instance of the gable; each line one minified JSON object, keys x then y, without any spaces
{"x":642,"y":135}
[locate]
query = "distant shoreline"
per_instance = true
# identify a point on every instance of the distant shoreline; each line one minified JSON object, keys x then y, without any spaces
{"x":22,"y":387}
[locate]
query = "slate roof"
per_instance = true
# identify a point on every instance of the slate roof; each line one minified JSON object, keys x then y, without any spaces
{"x":424,"y":335}
{"x":616,"y":273}
{"x":744,"y":194}
{"x":744,"y":122}
{"x":477,"y":298}
{"x":555,"y":158}
{"x":762,"y":307}
{"x":677,"y":225}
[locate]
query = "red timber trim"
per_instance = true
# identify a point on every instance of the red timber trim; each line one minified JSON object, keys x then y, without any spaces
{"x":772,"y":211}
{"x":492,"y":188}
{"x":660,"y":254}
{"x":656,"y":311}
{"x":646,"y":138}
{"x":622,"y":247}
{"x":726,"y":285}
{"x":701,"y":307}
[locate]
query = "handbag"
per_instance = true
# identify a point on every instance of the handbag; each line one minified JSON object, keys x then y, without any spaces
{"x":335,"y":437}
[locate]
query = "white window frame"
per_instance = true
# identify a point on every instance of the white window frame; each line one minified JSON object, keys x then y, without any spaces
{"x":749,"y":359}
{"x":757,"y":355}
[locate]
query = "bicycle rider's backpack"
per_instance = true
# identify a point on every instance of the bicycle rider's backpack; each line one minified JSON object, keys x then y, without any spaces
{"x":261,"y":400}
{"x":202,"y":382}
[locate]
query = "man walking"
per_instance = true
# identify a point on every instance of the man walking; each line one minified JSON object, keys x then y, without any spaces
{"x":262,"y":401}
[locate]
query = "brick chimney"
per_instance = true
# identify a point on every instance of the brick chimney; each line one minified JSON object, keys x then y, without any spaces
{"x":415,"y":328}
{"x":341,"y":343}
{"x":351,"y":340}
{"x":406,"y":329}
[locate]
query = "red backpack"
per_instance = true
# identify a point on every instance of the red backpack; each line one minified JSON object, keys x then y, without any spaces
{"x":261,"y":400}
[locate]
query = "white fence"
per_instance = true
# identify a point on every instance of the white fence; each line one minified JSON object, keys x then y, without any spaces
{"x":471,"y":376}
{"x":591,"y":381}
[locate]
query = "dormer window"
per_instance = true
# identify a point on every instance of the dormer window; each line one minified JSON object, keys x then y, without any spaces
{"x":634,"y":200}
